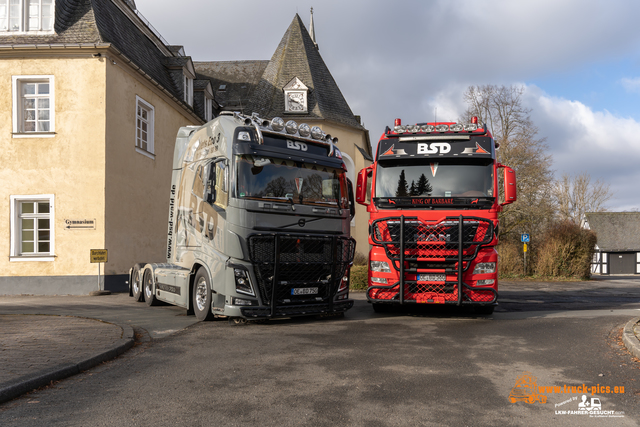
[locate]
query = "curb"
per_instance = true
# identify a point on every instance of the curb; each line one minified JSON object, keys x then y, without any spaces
{"x":630,"y":339}
{"x":43,"y":378}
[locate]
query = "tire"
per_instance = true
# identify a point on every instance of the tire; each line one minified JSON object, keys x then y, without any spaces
{"x":136,"y":283}
{"x":484,"y":310}
{"x":149,"y":289}
{"x":201,"y":296}
{"x":381,"y":308}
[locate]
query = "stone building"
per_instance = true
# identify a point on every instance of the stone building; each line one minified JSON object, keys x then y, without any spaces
{"x":92,"y":101}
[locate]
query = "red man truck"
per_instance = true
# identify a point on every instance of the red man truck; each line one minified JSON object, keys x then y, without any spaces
{"x":432,"y":195}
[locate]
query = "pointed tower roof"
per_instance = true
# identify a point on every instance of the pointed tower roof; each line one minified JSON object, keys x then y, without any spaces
{"x":297,"y":56}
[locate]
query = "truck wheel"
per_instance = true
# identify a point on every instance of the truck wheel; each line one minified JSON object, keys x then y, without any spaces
{"x":484,"y":310}
{"x":202,"y":296}
{"x":149,"y":291}
{"x":136,"y":283}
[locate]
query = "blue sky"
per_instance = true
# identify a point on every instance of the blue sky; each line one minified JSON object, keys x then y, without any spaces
{"x":579,"y":61}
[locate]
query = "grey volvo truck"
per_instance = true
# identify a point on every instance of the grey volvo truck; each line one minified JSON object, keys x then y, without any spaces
{"x":259,"y":223}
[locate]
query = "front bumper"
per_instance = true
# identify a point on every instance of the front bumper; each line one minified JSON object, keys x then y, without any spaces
{"x":264,"y":312}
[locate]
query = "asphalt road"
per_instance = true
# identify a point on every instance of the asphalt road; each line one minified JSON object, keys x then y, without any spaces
{"x":415,"y":367}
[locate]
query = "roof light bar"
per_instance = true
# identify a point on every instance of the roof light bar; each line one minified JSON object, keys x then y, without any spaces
{"x":437,"y":127}
{"x":278,"y":125}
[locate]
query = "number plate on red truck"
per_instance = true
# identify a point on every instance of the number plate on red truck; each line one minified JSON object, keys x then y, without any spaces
{"x":432,"y":277}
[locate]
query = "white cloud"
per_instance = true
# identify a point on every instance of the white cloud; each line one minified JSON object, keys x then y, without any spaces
{"x":580,"y":139}
{"x":631,"y":84}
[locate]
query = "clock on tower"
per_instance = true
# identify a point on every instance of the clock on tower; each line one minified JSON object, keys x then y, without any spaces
{"x":295,"y":97}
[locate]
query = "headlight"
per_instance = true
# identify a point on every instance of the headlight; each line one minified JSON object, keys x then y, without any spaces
{"x":277,"y":124}
{"x":378,"y":280}
{"x":344,"y":284}
{"x":380,"y":266}
{"x":485,"y":268}
{"x":304,"y":130}
{"x":243,"y":283}
{"x":291,"y":127}
{"x":316,"y":132}
{"x":485,"y":282}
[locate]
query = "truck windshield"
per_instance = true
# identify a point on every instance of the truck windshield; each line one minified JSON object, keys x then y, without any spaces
{"x":273,"y":178}
{"x":436,"y":179}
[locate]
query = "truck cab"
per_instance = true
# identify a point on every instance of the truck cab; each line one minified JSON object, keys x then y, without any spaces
{"x":258,"y":224}
{"x":433,"y":199}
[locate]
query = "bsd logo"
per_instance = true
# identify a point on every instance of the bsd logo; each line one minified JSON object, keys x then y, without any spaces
{"x":295,"y":145}
{"x":435,"y":148}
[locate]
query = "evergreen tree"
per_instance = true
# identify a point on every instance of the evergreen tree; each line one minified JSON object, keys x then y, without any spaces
{"x":403,"y":187}
{"x":423,"y":188}
{"x":413,"y":190}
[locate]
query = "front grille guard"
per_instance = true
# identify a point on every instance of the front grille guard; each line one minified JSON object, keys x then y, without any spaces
{"x":283,"y":262}
{"x":455,"y":241}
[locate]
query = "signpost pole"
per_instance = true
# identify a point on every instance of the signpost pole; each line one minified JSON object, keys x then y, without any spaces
{"x":99,"y":256}
{"x":525,"y":238}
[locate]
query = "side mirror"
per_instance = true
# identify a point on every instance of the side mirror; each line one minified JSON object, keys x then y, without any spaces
{"x":361,"y":187}
{"x":510,"y":190}
{"x":352,"y":202}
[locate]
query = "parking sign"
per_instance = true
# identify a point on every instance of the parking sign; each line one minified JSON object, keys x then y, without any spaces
{"x":524,"y":238}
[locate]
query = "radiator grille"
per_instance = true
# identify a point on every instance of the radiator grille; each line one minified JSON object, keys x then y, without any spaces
{"x":292,"y":261}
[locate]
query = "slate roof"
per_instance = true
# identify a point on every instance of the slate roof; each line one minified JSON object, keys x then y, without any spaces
{"x":256,"y":86}
{"x":616,"y":231}
{"x":239,"y":78}
{"x":100,"y":22}
{"x":74,"y":24}
{"x":298,"y":56}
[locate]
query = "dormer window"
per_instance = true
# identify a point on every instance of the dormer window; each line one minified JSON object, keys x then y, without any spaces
{"x":208,"y":109}
{"x":188,"y":90}
{"x":26,"y":15}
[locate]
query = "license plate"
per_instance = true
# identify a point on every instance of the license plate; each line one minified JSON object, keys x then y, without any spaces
{"x":304,"y":291}
{"x":432,"y":277}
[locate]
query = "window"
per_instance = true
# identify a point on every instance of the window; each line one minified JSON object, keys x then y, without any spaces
{"x":26,"y":15}
{"x":188,"y":90}
{"x":33,"y":106}
{"x":32,"y":237}
{"x":144,"y":127}
{"x":208,"y":109}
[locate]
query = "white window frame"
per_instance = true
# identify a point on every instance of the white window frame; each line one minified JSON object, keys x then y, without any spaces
{"x":150,"y":151}
{"x":16,"y":229}
{"x":24,"y":18}
{"x":188,"y":90}
{"x":18,"y":106}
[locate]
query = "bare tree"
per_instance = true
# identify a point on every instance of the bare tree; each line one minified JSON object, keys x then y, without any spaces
{"x":576,"y":196}
{"x":502,"y":109}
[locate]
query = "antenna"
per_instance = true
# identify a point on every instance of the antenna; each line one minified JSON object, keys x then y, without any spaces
{"x":435,"y":115}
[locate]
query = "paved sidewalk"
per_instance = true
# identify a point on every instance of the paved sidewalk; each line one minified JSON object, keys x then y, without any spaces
{"x":38,"y":349}
{"x":48,"y":338}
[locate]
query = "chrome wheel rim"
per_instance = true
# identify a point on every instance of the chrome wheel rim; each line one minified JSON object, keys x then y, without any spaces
{"x":136,"y":285}
{"x":201,"y":294}
{"x":147,"y":288}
